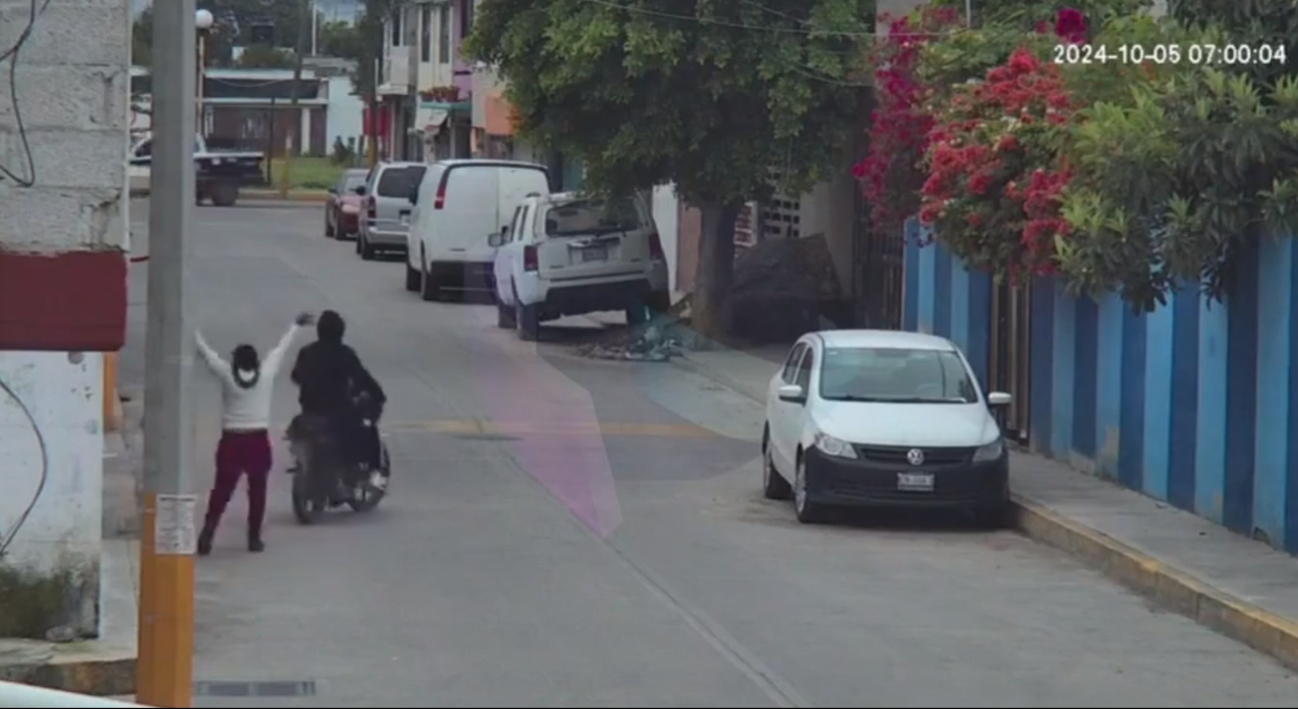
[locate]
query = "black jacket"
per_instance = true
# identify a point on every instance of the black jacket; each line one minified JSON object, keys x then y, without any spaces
{"x":329,"y":376}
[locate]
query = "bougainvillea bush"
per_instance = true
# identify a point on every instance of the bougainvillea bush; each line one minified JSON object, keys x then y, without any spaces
{"x":996,"y":170}
{"x":890,"y":173}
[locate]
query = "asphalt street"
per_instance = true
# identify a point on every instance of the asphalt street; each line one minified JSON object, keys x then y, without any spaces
{"x":568,"y":532}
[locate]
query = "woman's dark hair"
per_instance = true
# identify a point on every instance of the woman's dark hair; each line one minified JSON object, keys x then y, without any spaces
{"x":245,"y":359}
{"x":330,"y":327}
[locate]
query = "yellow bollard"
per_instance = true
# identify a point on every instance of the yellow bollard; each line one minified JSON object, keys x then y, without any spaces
{"x":112,"y":417}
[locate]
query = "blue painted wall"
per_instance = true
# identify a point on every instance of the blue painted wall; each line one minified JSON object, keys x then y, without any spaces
{"x":1194,"y":404}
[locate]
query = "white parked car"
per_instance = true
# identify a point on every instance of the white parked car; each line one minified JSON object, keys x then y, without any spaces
{"x":459,"y":207}
{"x":572,"y":254}
{"x":867,"y":418}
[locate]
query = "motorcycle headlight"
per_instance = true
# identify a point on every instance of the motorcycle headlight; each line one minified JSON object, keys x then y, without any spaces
{"x":991,"y":451}
{"x":834,"y":447}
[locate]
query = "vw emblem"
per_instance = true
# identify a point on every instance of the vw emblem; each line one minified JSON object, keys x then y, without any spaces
{"x":915,"y":456}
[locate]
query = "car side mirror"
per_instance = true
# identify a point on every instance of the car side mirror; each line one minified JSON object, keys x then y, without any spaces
{"x":999,"y":398}
{"x":496,"y":240}
{"x":360,"y":190}
{"x":792,"y":393}
{"x":333,"y":190}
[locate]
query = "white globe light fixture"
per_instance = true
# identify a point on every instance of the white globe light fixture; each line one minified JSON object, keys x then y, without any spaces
{"x":203,"y":20}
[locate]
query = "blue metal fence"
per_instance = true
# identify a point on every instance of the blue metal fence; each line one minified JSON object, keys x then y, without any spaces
{"x":1195,"y":404}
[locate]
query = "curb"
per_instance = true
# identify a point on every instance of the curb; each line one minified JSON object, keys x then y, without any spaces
{"x":1173,"y":589}
{"x":101,"y":674}
{"x":274,"y":196}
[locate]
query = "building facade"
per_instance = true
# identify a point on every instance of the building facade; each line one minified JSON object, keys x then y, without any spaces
{"x":62,"y":306}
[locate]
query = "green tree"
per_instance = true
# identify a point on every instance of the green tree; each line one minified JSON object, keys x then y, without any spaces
{"x":708,"y":94}
{"x":341,"y":39}
{"x":260,"y":56}
{"x":368,"y":47}
{"x":142,"y":38}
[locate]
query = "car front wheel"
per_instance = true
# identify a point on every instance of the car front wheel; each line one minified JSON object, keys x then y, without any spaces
{"x":808,"y":512}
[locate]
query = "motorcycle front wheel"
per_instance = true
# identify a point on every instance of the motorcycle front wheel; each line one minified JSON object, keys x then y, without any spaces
{"x":372,"y":496}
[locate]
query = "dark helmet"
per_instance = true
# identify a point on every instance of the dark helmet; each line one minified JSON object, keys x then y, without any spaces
{"x":330,"y":327}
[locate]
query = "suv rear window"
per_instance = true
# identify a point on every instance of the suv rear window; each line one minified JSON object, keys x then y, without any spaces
{"x":399,"y":181}
{"x":591,"y":216}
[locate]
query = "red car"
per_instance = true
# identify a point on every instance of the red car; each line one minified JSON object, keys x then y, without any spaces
{"x":343,"y":210}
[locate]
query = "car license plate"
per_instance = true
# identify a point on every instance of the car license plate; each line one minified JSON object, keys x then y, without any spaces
{"x":594,"y":253}
{"x":915,"y":482}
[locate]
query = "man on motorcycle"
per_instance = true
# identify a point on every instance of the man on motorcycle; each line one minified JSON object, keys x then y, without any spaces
{"x":331,"y":379}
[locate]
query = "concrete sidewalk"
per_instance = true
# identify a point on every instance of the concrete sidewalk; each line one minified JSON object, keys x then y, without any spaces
{"x":104,"y":666}
{"x":1239,"y":587}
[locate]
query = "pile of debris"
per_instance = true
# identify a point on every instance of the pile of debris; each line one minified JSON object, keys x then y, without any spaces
{"x":781,"y":288}
{"x":659,"y":340}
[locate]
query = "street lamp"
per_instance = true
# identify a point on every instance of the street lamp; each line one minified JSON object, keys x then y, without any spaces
{"x":203,"y":21}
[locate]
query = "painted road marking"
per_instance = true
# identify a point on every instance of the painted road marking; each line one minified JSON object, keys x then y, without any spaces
{"x":472,"y":427}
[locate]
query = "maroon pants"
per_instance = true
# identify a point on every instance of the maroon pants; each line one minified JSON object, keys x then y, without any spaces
{"x":240,"y":453}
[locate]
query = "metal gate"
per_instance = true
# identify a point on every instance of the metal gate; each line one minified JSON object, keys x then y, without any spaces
{"x":1010,"y":369}
{"x":878,"y":272}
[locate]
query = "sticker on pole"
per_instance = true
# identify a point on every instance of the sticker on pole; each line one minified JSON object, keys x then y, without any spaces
{"x":174,"y":530}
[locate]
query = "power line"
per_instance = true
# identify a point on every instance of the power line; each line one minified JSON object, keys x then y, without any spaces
{"x":12,"y":55}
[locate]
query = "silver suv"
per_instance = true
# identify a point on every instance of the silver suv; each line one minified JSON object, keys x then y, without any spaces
{"x":387,"y":207}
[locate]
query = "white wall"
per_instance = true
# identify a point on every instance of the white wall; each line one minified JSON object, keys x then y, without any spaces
{"x":344,"y":114}
{"x":667,"y":215}
{"x":78,"y":138}
{"x":63,"y":532}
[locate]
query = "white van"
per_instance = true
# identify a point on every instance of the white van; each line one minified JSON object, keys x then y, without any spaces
{"x":460,"y":205}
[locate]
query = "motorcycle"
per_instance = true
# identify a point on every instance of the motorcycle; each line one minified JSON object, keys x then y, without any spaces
{"x":323,"y":481}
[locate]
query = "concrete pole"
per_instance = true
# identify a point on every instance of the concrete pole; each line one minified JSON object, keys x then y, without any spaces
{"x":304,"y":11}
{"x":168,"y":539}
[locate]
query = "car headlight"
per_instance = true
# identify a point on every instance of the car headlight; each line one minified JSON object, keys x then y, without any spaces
{"x":991,"y":451}
{"x":834,"y":447}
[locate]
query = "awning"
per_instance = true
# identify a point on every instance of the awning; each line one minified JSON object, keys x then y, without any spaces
{"x":431,"y":120}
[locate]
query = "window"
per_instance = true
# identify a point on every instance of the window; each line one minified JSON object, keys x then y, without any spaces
{"x":584,"y":217}
{"x":400,"y":181}
{"x":804,"y":369}
{"x":896,"y":375}
{"x":425,"y":34}
{"x":466,"y":18}
{"x":791,"y":364}
{"x":394,"y":21}
{"x":444,"y":34}
{"x":516,"y":227}
{"x":410,"y":26}
{"x":351,"y":180}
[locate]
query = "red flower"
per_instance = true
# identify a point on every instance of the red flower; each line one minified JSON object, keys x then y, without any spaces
{"x":1070,"y":25}
{"x":980,"y":183}
{"x":858,"y":170}
{"x":1007,"y":142}
{"x":928,"y":214}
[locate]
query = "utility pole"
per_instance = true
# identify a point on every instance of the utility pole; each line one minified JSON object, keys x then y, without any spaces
{"x":165,"y":674}
{"x":304,"y":14}
{"x":374,"y":114}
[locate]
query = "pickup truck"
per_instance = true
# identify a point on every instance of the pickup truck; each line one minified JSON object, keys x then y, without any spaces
{"x":220,"y":173}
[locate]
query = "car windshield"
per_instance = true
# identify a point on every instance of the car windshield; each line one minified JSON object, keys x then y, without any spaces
{"x":399,"y":181}
{"x":895,"y":375}
{"x":591,"y":216}
{"x":352,"y":180}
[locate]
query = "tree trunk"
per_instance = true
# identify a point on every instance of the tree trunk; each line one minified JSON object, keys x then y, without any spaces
{"x":710,"y":303}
